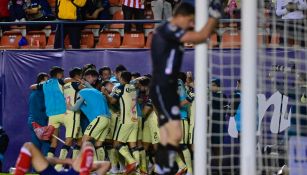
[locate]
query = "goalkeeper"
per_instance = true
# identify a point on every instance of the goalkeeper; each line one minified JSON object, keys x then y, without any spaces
{"x":167,"y":52}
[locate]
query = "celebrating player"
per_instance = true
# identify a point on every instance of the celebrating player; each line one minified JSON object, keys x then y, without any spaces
{"x":37,"y":113}
{"x":127,"y":128}
{"x":95,"y":107}
{"x":167,"y":52}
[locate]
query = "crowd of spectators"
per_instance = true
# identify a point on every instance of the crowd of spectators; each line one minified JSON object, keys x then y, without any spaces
{"x":282,"y":16}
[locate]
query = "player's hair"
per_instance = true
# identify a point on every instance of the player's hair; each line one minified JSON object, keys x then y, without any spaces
{"x":105,"y":83}
{"x":135,"y":74}
{"x":55,"y":70}
{"x":41,"y":76}
{"x":148,"y":76}
{"x":120,"y":68}
{"x":91,"y":72}
{"x":145,"y":81}
{"x":184,"y":9}
{"x":88,"y":67}
{"x":216,"y":81}
{"x":103,"y":69}
{"x":182,"y":76}
{"x":75,"y":71}
{"x":126,"y":76}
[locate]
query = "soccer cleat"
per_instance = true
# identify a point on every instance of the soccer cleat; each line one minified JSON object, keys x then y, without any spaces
{"x":182,"y":171}
{"x":130,"y":168}
{"x":114,"y":170}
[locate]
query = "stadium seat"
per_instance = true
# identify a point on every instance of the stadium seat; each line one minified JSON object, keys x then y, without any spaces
{"x":36,"y":40}
{"x":213,"y":41}
{"x":115,"y":2}
{"x":263,"y":39}
{"x":10,"y":40}
{"x":231,"y":39}
{"x":149,"y":40}
{"x":133,"y":40}
{"x":51,"y":39}
{"x":87,"y":39}
{"x":52,"y":3}
{"x":119,"y":15}
{"x":274,"y":40}
{"x":109,"y":39}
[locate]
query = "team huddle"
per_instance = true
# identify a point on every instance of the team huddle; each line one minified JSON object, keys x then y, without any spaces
{"x":115,"y":113}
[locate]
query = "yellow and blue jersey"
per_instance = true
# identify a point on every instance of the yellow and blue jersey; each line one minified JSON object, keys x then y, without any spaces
{"x":127,"y":97}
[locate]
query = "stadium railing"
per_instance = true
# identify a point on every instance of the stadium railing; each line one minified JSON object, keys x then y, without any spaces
{"x":228,"y":34}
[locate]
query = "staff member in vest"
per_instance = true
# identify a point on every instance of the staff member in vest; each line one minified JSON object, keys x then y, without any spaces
{"x":54,"y":102}
{"x":69,"y":10}
{"x":37,"y":113}
{"x":94,"y":105}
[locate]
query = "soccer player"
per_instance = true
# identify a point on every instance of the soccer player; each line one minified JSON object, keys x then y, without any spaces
{"x":115,"y":118}
{"x":82,"y":165}
{"x":115,"y":78}
{"x":184,"y":150}
{"x":37,"y":113}
{"x":94,"y":105}
{"x":150,"y":129}
{"x":105,"y":73}
{"x":71,"y":120}
{"x":127,"y":128}
{"x":54,"y":102}
{"x":166,"y":53}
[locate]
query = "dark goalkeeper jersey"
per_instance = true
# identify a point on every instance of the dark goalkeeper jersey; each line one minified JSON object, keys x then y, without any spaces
{"x":167,"y":50}
{"x":166,"y":53}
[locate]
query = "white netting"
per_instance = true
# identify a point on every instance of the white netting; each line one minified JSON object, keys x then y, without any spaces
{"x":281,"y":92}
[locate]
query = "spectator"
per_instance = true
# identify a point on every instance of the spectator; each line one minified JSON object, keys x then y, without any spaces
{"x":69,"y":10}
{"x":96,"y":10}
{"x":162,"y":9}
{"x":4,"y":13}
{"x":292,"y":26}
{"x":38,"y":10}
{"x":17,"y":12}
{"x":133,"y":8}
{"x":233,"y":9}
{"x":218,"y":109}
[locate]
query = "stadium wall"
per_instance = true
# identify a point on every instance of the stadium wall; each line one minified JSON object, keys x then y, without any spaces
{"x":18,"y":70}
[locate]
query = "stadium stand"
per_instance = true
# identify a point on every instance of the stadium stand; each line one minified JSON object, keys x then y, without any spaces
{"x":149,"y":39}
{"x":231,"y":39}
{"x":36,"y":40}
{"x":109,"y":39}
{"x":10,"y":39}
{"x":133,"y":40}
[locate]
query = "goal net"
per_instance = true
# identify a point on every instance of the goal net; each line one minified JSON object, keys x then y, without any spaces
{"x":281,"y":135}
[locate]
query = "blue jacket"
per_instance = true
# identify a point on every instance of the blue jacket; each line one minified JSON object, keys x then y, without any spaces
{"x":54,"y":98}
{"x":95,"y":104}
{"x":37,"y":109}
